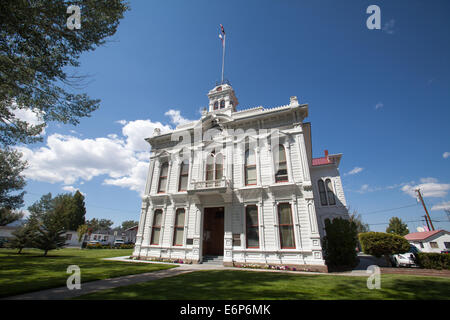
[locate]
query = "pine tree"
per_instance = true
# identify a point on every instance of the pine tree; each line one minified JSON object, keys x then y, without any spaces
{"x":397,"y":226}
{"x":80,"y":211}
{"x":24,"y":237}
{"x":50,"y":231}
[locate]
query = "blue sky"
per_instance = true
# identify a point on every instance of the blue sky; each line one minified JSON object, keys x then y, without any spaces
{"x":380,"y":97}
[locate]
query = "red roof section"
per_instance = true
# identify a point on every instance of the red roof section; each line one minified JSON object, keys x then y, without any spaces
{"x":321,"y":161}
{"x":422,"y":235}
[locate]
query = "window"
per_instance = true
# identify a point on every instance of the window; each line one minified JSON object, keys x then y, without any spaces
{"x":214,"y":168}
{"x":331,"y":199}
{"x":222,"y":104}
{"x":219,"y":166}
{"x":163,"y":178}
{"x":156,"y":226}
{"x":434,"y":245}
{"x":178,"y":228}
{"x":216,"y":105}
{"x":322,"y":193}
{"x":421,"y":245}
{"x":68,"y":236}
{"x":250,"y":168}
{"x":447,"y":245}
{"x":286,"y":227}
{"x":252,"y":228}
{"x":281,"y":174}
{"x":184,"y":174}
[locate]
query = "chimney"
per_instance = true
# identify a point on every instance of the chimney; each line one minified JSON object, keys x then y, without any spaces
{"x":326,"y":154}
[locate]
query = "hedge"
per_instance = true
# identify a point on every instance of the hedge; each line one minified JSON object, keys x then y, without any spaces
{"x":383,"y":244}
{"x":433,"y":260}
{"x":339,"y":244}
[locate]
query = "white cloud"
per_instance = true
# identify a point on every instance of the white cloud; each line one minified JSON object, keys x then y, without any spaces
{"x":441,"y":206}
{"x":122,"y":122}
{"x":446,"y":155}
{"x":379,"y":105}
{"x":176,"y":117}
{"x":429,"y":187}
{"x":389,"y":27}
{"x":354,"y":171}
{"x":122,"y":159}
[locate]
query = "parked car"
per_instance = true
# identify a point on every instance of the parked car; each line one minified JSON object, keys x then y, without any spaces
{"x":118,"y":242}
{"x":407,"y":259}
{"x":445,"y":251}
{"x":93,"y":242}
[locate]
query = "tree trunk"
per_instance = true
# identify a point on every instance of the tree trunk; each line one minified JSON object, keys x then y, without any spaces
{"x":45,"y":253}
{"x":388,"y":260}
{"x":20,"y":251}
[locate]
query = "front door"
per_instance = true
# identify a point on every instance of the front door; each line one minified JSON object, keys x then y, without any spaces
{"x":213,"y":231}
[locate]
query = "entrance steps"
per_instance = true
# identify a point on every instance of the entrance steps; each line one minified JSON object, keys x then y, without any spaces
{"x":213,"y":260}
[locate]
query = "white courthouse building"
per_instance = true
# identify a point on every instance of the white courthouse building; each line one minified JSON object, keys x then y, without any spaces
{"x":239,"y":185}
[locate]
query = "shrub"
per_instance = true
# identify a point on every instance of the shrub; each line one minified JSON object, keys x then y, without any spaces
{"x":339,"y":244}
{"x":383,"y":244}
{"x":433,"y":260}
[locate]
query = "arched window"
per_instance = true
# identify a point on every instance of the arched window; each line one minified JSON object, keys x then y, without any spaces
{"x":156,"y":227}
{"x":322,"y":193}
{"x":331,"y":199}
{"x":252,"y":227}
{"x":214,"y":168}
{"x":178,"y":228}
{"x":286,"y":226}
{"x":184,"y":175}
{"x":250,"y":167}
{"x":163,"y":177}
{"x":222,"y":104}
{"x":216,"y":105}
{"x":281,"y":174}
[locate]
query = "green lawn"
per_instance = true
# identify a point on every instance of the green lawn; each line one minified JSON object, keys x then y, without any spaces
{"x":224,"y":285}
{"x":30,"y":271}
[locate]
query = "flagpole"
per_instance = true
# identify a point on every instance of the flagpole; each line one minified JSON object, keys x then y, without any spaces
{"x":223,"y":55}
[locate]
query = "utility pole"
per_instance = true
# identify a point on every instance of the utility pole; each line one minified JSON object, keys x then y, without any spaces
{"x":425,"y":208}
{"x":426,"y":220}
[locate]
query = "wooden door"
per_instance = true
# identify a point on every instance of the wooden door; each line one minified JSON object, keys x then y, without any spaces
{"x":213,"y":231}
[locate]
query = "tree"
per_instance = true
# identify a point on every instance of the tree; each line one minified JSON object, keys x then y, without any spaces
{"x":36,"y":51}
{"x":383,"y":244}
{"x":11,"y":179}
{"x":8,"y":216}
{"x":80,"y":211}
{"x":102,"y":224}
{"x":24,"y":237}
{"x":396,"y":226}
{"x":340,"y":242}
{"x":360,"y":225}
{"x":81,"y":231}
{"x":128,"y":224}
{"x":50,"y":231}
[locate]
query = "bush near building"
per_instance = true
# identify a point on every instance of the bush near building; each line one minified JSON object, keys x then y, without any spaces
{"x":383,"y":244}
{"x":340,"y":243}
{"x":102,"y":246}
{"x":429,"y":260}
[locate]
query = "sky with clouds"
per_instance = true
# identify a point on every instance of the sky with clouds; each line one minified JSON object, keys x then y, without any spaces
{"x":380,"y":97}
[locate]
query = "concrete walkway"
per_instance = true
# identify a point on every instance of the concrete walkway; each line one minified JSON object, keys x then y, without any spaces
{"x":62,"y":293}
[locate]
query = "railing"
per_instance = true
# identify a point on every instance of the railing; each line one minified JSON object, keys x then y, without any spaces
{"x":210,"y":184}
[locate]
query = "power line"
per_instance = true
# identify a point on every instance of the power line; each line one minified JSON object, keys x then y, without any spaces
{"x":391,"y":209}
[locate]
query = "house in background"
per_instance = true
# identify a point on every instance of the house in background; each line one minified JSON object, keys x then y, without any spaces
{"x":72,"y":239}
{"x":430,"y":241}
